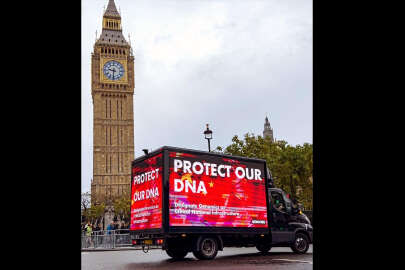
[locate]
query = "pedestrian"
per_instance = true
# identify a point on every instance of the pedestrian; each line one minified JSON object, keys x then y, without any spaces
{"x":110,"y":230}
{"x":89,"y":231}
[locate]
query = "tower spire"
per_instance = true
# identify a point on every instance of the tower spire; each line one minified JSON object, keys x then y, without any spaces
{"x":111,"y":10}
{"x":111,"y":33}
{"x":268,"y":131}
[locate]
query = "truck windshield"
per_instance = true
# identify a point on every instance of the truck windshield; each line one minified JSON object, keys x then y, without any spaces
{"x":278,"y":201}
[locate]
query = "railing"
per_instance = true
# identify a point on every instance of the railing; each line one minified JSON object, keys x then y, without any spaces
{"x":106,"y":239}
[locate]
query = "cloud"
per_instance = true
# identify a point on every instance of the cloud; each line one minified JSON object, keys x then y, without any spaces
{"x":226,"y":63}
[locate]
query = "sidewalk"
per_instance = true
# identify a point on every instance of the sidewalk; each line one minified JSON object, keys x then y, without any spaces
{"x":115,"y":249}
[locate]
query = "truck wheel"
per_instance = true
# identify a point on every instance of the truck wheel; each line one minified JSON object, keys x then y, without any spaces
{"x":176,"y":253}
{"x":301,"y":243}
{"x":208,"y":249}
{"x":263,"y":247}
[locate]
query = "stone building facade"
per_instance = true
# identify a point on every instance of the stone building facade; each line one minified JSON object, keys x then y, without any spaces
{"x":112,"y":89}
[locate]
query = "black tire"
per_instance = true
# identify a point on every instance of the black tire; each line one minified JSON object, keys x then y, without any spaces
{"x":301,"y":243}
{"x":176,"y":253}
{"x":263,"y":247}
{"x":208,"y":249}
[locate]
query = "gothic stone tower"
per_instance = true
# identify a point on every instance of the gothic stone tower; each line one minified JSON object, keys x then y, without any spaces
{"x":112,"y":89}
{"x":268,"y":131}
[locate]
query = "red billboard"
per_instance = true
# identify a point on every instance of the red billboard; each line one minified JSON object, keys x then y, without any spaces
{"x":212,"y":191}
{"x":146,"y":194}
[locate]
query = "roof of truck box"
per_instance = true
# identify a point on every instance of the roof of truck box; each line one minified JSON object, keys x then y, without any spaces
{"x":171,"y":148}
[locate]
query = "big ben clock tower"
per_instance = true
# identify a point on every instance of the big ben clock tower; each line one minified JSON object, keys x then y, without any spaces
{"x":112,"y":89}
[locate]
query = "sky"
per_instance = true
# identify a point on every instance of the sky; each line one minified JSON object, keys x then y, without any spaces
{"x":228,"y":63}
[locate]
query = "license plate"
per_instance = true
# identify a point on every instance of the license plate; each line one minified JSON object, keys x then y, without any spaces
{"x":148,"y":242}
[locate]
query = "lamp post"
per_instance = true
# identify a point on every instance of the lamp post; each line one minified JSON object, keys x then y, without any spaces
{"x":208,"y":136}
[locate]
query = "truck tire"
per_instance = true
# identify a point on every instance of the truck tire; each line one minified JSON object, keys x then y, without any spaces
{"x":208,"y":249}
{"x":176,"y":253}
{"x":301,"y":243}
{"x":263,"y":247}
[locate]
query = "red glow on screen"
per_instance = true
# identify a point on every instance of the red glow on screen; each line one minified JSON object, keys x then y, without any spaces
{"x":215,"y":192}
{"x":146,"y":194}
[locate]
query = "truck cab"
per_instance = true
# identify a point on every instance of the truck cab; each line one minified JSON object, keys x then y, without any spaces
{"x":290,"y":227}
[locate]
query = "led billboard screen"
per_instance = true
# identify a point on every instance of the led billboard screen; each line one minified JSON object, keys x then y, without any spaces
{"x":212,"y":191}
{"x":146,"y":194}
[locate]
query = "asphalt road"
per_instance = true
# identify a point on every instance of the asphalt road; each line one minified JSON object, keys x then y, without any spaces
{"x":228,"y":259}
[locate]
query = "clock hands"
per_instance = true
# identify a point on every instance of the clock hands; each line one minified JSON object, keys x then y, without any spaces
{"x":112,"y":68}
{"x":113,"y":71}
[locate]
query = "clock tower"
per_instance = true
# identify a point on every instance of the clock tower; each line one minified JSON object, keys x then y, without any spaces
{"x":112,"y":90}
{"x":268,"y":131}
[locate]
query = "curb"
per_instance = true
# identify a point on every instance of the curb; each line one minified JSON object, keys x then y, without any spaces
{"x":107,"y":249}
{"x":112,"y":249}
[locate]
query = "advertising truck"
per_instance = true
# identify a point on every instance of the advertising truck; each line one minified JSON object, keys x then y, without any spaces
{"x":185,"y":201}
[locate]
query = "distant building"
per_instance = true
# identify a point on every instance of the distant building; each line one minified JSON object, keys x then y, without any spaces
{"x":268,"y":131}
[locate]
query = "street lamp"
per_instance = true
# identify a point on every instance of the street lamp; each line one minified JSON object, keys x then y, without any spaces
{"x":208,"y":136}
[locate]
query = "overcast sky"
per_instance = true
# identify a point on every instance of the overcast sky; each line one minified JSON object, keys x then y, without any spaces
{"x":228,"y":63}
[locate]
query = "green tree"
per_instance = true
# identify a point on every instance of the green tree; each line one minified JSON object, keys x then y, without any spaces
{"x":122,"y":206}
{"x":291,"y":166}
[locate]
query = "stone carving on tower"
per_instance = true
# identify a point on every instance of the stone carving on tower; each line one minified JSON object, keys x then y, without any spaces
{"x":268,"y":131}
{"x":112,"y":89}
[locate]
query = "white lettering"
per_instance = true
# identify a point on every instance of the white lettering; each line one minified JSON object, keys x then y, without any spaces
{"x":201,"y":167}
{"x":147,"y":176}
{"x":249,"y":177}
{"x":177,"y":164}
{"x":228,"y":170}
{"x":206,"y":165}
{"x":201,"y":188}
{"x":213,"y":169}
{"x":219,"y":170}
{"x":176,"y":183}
{"x":241,"y":174}
{"x":186,"y":166}
{"x":258,"y":174}
{"x":192,"y":187}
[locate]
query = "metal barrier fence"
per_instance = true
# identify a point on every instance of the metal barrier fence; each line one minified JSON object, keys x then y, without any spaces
{"x":106,"y":239}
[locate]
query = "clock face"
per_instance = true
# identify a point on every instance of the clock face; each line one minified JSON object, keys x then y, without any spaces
{"x":113,"y":70}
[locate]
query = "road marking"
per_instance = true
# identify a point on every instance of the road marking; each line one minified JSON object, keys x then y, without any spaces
{"x":292,"y":260}
{"x":84,"y":253}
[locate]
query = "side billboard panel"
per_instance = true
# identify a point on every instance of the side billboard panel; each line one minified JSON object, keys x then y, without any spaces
{"x":146,"y":194}
{"x":212,"y":191}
